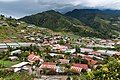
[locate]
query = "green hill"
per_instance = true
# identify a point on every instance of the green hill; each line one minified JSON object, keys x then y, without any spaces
{"x":58,"y":22}
{"x":106,"y":22}
{"x":12,"y":30}
{"x":83,"y":22}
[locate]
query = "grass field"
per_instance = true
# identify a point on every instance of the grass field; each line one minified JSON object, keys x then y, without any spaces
{"x":7,"y":64}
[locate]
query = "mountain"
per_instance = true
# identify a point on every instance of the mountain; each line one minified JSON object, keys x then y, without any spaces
{"x":58,"y":22}
{"x":106,"y":22}
{"x":12,"y":30}
{"x":83,"y":22}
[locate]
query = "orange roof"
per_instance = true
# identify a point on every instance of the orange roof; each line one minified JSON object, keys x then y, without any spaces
{"x":91,"y":61}
{"x":33,"y":58}
{"x":76,"y":69}
{"x":48,"y":65}
{"x":83,"y":66}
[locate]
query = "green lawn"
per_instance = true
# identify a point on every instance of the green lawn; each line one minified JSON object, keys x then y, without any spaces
{"x":7,"y":64}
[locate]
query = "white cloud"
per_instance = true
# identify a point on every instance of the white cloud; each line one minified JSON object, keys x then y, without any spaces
{"x":24,"y":7}
{"x":97,"y":3}
{"x":8,"y":0}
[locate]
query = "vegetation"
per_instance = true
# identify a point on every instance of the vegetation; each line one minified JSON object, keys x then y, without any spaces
{"x":77,"y":49}
{"x":7,"y":63}
{"x":110,"y":70}
{"x":58,"y":22}
{"x":8,"y":75}
{"x":104,"y":22}
{"x":61,"y":42}
{"x":86,"y":22}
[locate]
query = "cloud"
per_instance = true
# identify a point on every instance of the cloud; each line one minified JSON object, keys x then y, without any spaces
{"x":8,"y":0}
{"x":20,"y":8}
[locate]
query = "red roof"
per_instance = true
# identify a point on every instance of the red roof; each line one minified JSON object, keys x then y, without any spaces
{"x":45,"y":42}
{"x":83,"y":66}
{"x":33,"y":58}
{"x":60,"y":47}
{"x":48,"y":65}
{"x":64,"y":61}
{"x":91,"y":61}
{"x":96,"y":53}
{"x":76,"y":69}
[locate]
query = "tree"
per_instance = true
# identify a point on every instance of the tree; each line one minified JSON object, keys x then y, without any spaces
{"x":76,"y":60}
{"x":2,"y":17}
{"x":48,"y":49}
{"x":86,"y":53}
{"x":84,"y":61}
{"x":117,"y":48}
{"x":95,"y":48}
{"x":61,"y":42}
{"x":67,"y":55}
{"x":78,"y":50}
{"x":108,"y":71}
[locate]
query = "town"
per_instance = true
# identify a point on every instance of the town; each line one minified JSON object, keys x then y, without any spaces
{"x":29,"y":52}
{"x":54,"y":57}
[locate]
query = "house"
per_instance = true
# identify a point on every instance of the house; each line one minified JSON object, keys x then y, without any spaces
{"x":48,"y":65}
{"x":85,"y":56}
{"x":13,"y":58}
{"x":95,"y":53}
{"x":32,"y":38}
{"x":60,"y":69}
{"x":103,"y":46}
{"x":38,"y":39}
{"x":52,"y":66}
{"x":12,"y":45}
{"x":3,"y":46}
{"x":82,"y":55}
{"x":86,"y":50}
{"x":108,"y":52}
{"x":76,"y":69}
{"x":15,"y":45}
{"x":18,"y":23}
{"x":16,"y":52}
{"x":103,"y":42}
{"x":20,"y":66}
{"x":88,"y":56}
{"x":70,"y":51}
{"x":118,"y":43}
{"x":99,"y":58}
{"x":32,"y":58}
{"x":22,"y":31}
{"x":79,"y":67}
{"x":64,"y":61}
{"x":45,"y":41}
{"x":59,"y":47}
{"x":91,"y":61}
{"x":55,"y":54}
{"x":2,"y":23}
{"x":31,"y":26}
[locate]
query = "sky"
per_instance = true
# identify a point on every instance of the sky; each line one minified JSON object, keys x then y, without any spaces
{"x":20,"y":8}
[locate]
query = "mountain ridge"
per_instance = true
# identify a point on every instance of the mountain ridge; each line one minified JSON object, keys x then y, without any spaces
{"x":100,"y":20}
{"x":83,"y":26}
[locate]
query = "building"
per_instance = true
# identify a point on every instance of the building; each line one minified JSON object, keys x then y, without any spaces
{"x":33,"y":58}
{"x":20,"y":66}
{"x":79,"y":67}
